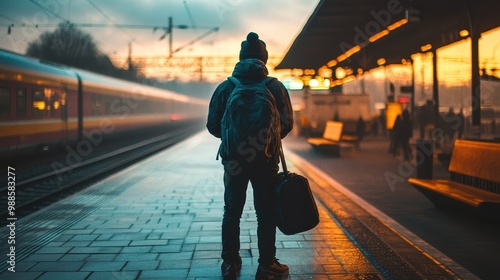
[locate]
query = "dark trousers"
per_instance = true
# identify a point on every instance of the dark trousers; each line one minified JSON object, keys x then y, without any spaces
{"x":263,"y":178}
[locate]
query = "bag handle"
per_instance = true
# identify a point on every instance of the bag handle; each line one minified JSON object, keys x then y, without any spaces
{"x":283,"y":162}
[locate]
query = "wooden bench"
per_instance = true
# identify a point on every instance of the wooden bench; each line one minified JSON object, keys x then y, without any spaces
{"x":474,"y":178}
{"x":353,"y":139}
{"x":331,"y":138}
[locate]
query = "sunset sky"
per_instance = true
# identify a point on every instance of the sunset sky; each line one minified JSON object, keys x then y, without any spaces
{"x":277,"y":22}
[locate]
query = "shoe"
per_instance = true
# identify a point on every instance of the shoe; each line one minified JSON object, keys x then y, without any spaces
{"x":230,"y":270}
{"x":275,"y":270}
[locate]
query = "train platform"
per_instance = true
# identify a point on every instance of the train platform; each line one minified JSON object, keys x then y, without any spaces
{"x":161,"y":219}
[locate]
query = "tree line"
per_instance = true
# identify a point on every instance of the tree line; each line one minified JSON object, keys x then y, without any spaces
{"x":70,"y":46}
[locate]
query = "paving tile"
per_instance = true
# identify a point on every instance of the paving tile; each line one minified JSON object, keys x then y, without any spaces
{"x":21,"y":275}
{"x":56,"y":266}
{"x":53,"y":250}
{"x":91,"y":250}
{"x":85,"y":237}
{"x":43,"y":257}
{"x":169,"y":264}
{"x":137,"y":249}
{"x":136,"y":257}
{"x":77,"y":244}
{"x":101,"y":257}
{"x":167,"y":249}
{"x":141,"y":265}
{"x":74,"y":257}
{"x":110,"y":243}
{"x":103,"y":266}
{"x":114,"y":275}
{"x":24,"y":266}
{"x":63,"y":276}
{"x":148,"y":242}
{"x":165,"y":274}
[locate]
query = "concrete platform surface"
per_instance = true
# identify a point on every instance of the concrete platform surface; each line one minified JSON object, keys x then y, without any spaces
{"x":161,"y":219}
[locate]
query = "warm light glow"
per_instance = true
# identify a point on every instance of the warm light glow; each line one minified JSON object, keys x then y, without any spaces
{"x":353,"y":50}
{"x":360,"y":71}
{"x":348,"y":53}
{"x":378,"y":35}
{"x":56,"y":105}
{"x":341,"y":57}
{"x":381,"y":61}
{"x":331,"y":63}
{"x":348,"y":79}
{"x":425,"y":48}
{"x":297,"y":72}
{"x":295,"y":85}
{"x":325,"y":72}
{"x":464,"y":33}
{"x":309,"y":72}
{"x":313,"y":83}
{"x":19,"y":77}
{"x":340,"y":72}
{"x":393,"y":110}
{"x":336,"y":83}
{"x":40,"y":105}
{"x":397,"y":24}
{"x":175,"y":117}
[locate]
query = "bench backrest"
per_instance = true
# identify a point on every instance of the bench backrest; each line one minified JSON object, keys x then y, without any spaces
{"x":333,"y":130}
{"x":476,"y":163}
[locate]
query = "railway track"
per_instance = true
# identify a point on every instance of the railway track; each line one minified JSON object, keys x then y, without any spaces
{"x":34,"y":193}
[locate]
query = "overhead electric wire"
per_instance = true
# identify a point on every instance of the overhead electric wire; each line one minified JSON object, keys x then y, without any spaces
{"x":109,"y":19}
{"x":49,"y":11}
{"x":191,"y":19}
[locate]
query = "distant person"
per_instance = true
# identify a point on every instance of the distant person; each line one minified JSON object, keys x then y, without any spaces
{"x":395,"y":135}
{"x":406,"y":132}
{"x":382,"y":120}
{"x":461,"y":125}
{"x":255,"y":161}
{"x":448,"y":125}
{"x":360,"y":128}
{"x":375,"y":127}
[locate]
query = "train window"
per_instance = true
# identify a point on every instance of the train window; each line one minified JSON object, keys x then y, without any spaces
{"x":97,"y":105}
{"x":21,"y":102}
{"x":4,"y":102}
{"x":55,"y":102}
{"x":39,"y":104}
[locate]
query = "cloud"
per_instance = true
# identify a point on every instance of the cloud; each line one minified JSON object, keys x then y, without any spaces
{"x":277,"y":22}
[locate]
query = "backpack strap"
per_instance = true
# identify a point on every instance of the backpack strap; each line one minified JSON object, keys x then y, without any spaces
{"x":267,"y":79}
{"x":234,"y":80}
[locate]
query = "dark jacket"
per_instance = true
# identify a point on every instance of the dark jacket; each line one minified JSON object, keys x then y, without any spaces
{"x":249,"y":70}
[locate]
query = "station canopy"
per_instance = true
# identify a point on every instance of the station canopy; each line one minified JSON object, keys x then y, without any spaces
{"x":363,"y":34}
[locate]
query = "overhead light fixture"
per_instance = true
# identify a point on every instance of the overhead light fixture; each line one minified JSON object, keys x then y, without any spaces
{"x":397,"y":24}
{"x":331,"y":63}
{"x":378,"y":35}
{"x":348,"y":53}
{"x":464,"y":33}
{"x":425,"y":48}
{"x":381,"y":61}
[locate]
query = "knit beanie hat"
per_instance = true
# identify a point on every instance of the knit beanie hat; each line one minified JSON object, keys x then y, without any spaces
{"x":253,"y":48}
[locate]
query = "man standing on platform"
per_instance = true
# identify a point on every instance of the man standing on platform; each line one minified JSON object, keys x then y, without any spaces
{"x":253,"y":158}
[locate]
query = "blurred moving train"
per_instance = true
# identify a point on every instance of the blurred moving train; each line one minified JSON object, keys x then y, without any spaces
{"x":44,"y":105}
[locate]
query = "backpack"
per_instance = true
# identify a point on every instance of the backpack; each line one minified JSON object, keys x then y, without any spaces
{"x":250,"y":126}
